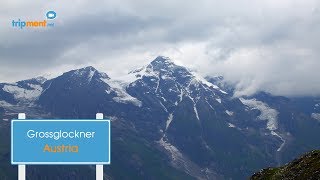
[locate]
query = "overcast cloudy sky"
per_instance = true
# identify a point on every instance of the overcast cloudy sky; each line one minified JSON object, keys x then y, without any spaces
{"x":266,"y":45}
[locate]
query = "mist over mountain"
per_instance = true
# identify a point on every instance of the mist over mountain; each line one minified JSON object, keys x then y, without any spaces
{"x":256,"y":45}
{"x":168,"y":122}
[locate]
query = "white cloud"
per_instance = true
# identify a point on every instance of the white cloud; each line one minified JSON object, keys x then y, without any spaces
{"x":259,"y":45}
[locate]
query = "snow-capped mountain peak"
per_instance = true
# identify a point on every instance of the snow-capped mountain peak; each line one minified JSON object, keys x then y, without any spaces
{"x":162,"y":62}
{"x":87,"y":71}
{"x":193,"y":120}
{"x":86,"y":74}
{"x":159,"y":65}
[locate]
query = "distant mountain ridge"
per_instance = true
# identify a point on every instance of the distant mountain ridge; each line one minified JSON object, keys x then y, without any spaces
{"x":193,"y":124}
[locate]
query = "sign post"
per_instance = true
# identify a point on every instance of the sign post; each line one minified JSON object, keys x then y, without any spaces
{"x":60,"y":142}
{"x":99,"y":167}
{"x":21,"y":167}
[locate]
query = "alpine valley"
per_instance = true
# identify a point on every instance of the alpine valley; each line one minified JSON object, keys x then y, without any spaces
{"x":167,"y":123}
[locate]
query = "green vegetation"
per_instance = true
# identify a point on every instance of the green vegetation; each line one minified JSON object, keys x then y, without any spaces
{"x":305,"y":167}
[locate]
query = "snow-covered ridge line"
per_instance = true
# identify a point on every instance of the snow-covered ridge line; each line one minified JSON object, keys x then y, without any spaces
{"x":160,"y":73}
{"x":267,"y":113}
{"x":41,"y":79}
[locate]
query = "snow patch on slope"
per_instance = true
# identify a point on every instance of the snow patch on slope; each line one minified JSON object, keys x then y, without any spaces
{"x":120,"y":89}
{"x":210,"y":106}
{"x":163,"y":106}
{"x":166,"y":77}
{"x":230,"y":113}
{"x":41,"y":79}
{"x":283,"y":140}
{"x":174,"y":152}
{"x":181,"y":162}
{"x":139,"y":73}
{"x":49,"y":76}
{"x":24,"y":94}
{"x":195,"y":108}
{"x":5,"y":104}
{"x":170,"y":118}
{"x":204,"y":81}
{"x":267,"y":113}
{"x":196,"y":112}
{"x":91,"y":73}
{"x":230,"y":125}
{"x":181,"y":95}
{"x":223,"y":91}
{"x":315,"y":116}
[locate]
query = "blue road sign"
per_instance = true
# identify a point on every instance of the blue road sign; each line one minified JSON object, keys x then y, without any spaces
{"x":60,"y":142}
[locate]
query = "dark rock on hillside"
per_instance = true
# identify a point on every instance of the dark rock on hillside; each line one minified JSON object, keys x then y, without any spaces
{"x":307,"y":167}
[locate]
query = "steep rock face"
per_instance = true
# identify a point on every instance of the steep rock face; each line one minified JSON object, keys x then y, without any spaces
{"x":85,"y":91}
{"x":198,"y":118}
{"x":306,"y":167}
{"x":74,"y":92}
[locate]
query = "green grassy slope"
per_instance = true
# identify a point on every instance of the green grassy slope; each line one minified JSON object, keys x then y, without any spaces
{"x":306,"y":167}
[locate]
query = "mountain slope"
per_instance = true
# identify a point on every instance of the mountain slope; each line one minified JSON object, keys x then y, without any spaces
{"x":169,"y":117}
{"x":306,"y":167}
{"x":85,"y":91}
{"x":199,"y":119}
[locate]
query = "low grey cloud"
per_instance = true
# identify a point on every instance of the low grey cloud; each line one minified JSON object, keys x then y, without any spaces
{"x":262,"y":45}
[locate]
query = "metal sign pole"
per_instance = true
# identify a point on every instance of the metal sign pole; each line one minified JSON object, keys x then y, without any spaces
{"x":99,"y":167}
{"x":21,"y":168}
